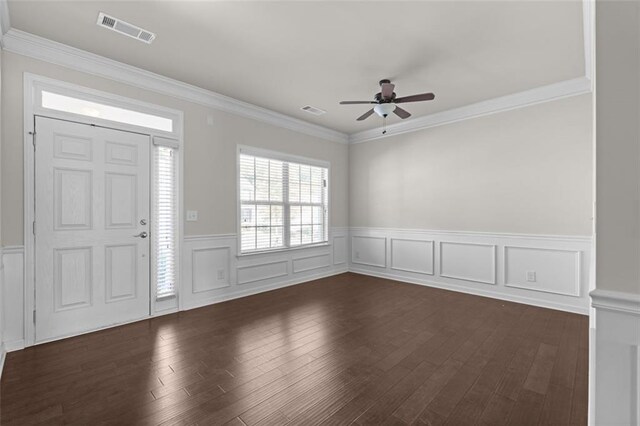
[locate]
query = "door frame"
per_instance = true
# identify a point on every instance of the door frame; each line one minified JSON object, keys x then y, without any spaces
{"x":33,"y":86}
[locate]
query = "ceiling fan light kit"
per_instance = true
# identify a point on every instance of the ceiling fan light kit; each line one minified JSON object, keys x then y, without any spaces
{"x":384,"y":109}
{"x":385,"y":103}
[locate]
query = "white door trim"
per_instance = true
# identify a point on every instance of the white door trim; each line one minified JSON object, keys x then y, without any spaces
{"x":33,"y":84}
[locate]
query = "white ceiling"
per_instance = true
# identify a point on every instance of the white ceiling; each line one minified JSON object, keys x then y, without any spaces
{"x":284,"y":55}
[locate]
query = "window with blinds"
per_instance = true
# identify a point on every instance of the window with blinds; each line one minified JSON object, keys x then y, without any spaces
{"x":165,"y":223}
{"x":282,"y":204}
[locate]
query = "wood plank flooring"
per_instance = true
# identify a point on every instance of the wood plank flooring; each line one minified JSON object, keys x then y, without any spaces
{"x":348,"y":349}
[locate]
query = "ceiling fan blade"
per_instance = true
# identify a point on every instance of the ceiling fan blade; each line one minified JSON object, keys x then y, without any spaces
{"x":387,"y":90}
{"x":415,"y":98}
{"x":365,"y":115}
{"x":401,"y":113}
{"x":356,"y":102}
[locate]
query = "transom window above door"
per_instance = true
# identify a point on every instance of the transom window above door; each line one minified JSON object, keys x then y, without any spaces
{"x":68,"y":102}
{"x":283,"y":201}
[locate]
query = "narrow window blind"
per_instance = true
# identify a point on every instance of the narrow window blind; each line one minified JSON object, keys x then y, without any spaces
{"x":165,"y":223}
{"x":282,"y":204}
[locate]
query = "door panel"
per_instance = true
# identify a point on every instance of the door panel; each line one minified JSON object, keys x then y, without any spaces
{"x":92,"y":192}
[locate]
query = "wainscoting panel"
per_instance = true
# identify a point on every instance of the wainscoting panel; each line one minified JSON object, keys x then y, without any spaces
{"x":412,"y":255}
{"x":213,"y":272}
{"x":468,"y":261}
{"x":266,"y":271}
{"x":211,"y":268}
{"x":311,"y":262}
{"x":369,"y":250}
{"x":492,"y":265}
{"x":339,"y":249}
{"x":554,"y":271}
{"x":13,"y":303}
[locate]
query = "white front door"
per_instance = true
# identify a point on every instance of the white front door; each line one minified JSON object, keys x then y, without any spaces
{"x":92,"y":221}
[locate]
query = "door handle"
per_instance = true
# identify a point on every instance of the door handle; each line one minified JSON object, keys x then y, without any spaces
{"x":143,"y":234}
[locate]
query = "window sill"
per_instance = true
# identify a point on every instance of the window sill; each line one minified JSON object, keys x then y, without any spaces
{"x":282,"y":250}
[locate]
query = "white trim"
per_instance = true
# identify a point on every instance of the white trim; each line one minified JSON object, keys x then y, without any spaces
{"x":290,"y":158}
{"x":12,"y":250}
{"x":565,"y":238}
{"x":494,"y":266}
{"x":3,"y":356}
{"x":208,"y":237}
{"x":264,"y":288}
{"x":33,"y":46}
{"x":485,"y":292}
{"x":370,"y":237}
{"x":578,"y":270}
{"x":36,"y":47}
{"x":41,"y":83}
{"x":616,"y":301}
{"x":433,"y":255}
{"x":194,"y":263}
{"x":313,"y":256}
{"x":267,"y":277}
{"x":33,"y":83}
{"x":281,"y":156}
{"x":5,"y":22}
{"x":588,"y":25}
{"x":563,"y":89}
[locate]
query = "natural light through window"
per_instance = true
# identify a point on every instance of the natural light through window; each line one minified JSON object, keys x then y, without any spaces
{"x":165,"y":224}
{"x":72,"y":105}
{"x":283,"y":204}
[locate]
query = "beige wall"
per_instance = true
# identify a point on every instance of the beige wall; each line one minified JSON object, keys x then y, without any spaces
{"x":527,"y":170}
{"x":618,"y":146}
{"x":210,"y":151}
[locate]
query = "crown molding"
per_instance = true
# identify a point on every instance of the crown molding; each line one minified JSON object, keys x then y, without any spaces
{"x":538,"y":95}
{"x":36,"y":47}
{"x":33,"y":46}
{"x":588,"y":34}
{"x":5,"y":24}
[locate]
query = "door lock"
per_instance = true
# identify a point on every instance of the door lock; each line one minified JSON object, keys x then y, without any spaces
{"x":143,"y":221}
{"x":143,"y":234}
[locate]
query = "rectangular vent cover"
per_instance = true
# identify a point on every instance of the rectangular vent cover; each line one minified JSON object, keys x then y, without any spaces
{"x":313,"y":110}
{"x":122,"y":27}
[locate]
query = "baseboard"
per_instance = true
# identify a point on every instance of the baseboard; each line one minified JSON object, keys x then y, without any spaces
{"x":475,"y":291}
{"x":3,"y":356}
{"x":13,"y":345}
{"x":262,"y":289}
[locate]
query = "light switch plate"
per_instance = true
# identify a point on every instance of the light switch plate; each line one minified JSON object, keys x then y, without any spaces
{"x":192,"y":215}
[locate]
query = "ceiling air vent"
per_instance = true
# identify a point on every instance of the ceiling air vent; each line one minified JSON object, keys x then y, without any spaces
{"x":313,"y":110}
{"x":122,"y":27}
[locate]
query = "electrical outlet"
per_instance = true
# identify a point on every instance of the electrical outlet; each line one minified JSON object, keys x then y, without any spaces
{"x":192,"y":215}
{"x":357,"y":255}
{"x":531,"y":276}
{"x":221,"y":274}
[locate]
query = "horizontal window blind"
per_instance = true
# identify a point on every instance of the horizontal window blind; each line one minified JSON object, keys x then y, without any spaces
{"x":165,"y":223}
{"x":281,"y":203}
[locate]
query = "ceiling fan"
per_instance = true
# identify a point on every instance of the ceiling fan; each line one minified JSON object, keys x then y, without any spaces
{"x":386,"y":102}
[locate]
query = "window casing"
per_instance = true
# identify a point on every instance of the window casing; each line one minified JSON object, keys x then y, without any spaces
{"x":282,"y":202}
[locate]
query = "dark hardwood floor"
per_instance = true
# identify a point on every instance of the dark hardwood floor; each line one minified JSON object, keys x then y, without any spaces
{"x":341,"y":350}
